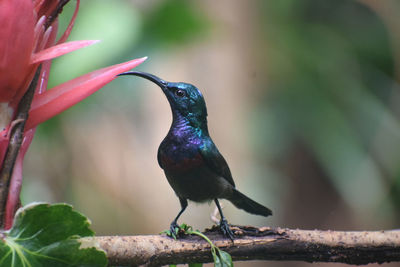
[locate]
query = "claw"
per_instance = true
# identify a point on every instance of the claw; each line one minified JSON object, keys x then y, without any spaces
{"x":226,"y":230}
{"x":174,"y":229}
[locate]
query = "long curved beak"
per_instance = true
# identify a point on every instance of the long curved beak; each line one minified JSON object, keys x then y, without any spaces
{"x":148,"y":76}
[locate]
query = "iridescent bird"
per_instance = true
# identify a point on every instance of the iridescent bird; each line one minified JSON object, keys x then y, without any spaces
{"x":192,"y":163}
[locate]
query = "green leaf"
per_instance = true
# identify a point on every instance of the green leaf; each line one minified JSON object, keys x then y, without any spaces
{"x":183,"y":229}
{"x":171,"y":234}
{"x":50,"y":235}
{"x":221,"y":258}
{"x":195,"y":264}
{"x":217,"y":261}
{"x":226,"y":259}
{"x":167,"y":232}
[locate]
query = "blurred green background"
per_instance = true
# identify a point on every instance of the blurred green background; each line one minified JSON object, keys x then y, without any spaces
{"x":303,"y":102}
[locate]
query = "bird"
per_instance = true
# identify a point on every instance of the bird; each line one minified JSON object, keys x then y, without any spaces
{"x":192,"y":164}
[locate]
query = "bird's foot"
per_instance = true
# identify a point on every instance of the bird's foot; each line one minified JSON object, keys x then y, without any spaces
{"x":174,"y":230}
{"x":226,"y":230}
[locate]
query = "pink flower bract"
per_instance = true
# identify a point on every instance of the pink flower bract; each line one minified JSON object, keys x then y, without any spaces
{"x":28,"y":38}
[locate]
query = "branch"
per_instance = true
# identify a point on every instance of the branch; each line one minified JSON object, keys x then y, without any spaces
{"x":256,"y":244}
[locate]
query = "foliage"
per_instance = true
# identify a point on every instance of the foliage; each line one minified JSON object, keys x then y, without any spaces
{"x":50,"y":235}
{"x":330,"y":94}
{"x":175,"y":22}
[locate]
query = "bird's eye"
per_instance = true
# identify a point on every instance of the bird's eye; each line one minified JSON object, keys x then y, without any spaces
{"x":180,"y":93}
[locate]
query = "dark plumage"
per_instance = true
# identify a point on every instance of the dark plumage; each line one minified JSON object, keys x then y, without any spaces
{"x":192,"y":163}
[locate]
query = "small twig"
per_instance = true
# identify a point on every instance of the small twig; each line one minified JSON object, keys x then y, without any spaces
{"x":16,"y":137}
{"x":256,"y":244}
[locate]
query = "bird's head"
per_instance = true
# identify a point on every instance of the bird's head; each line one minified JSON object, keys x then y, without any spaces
{"x":184,"y":98}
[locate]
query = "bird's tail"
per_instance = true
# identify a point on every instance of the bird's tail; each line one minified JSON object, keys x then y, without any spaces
{"x":243,"y":202}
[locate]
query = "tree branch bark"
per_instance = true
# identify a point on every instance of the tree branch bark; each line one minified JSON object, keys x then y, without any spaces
{"x":256,"y":244}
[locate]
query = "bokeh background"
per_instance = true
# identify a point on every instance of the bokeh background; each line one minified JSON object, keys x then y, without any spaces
{"x":303,"y":101}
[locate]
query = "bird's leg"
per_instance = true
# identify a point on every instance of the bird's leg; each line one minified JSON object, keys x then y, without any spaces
{"x":223,"y":224}
{"x":174,"y":228}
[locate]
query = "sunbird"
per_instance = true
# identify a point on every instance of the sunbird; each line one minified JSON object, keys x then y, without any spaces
{"x":194,"y":167}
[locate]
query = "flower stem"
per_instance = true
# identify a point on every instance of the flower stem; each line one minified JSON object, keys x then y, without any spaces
{"x":16,"y":137}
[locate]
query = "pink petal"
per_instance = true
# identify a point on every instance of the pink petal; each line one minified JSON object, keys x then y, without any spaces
{"x":17,"y":38}
{"x":60,"y":49}
{"x":44,"y":77}
{"x":38,"y":32}
{"x":50,"y":41}
{"x":63,"y":96}
{"x":67,"y":32}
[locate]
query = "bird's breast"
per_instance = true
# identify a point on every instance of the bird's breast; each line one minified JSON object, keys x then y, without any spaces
{"x":187,"y":172}
{"x":179,"y":151}
{"x":181,"y":161}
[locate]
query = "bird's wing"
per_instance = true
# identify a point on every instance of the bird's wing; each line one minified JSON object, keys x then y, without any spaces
{"x":215,"y":161}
